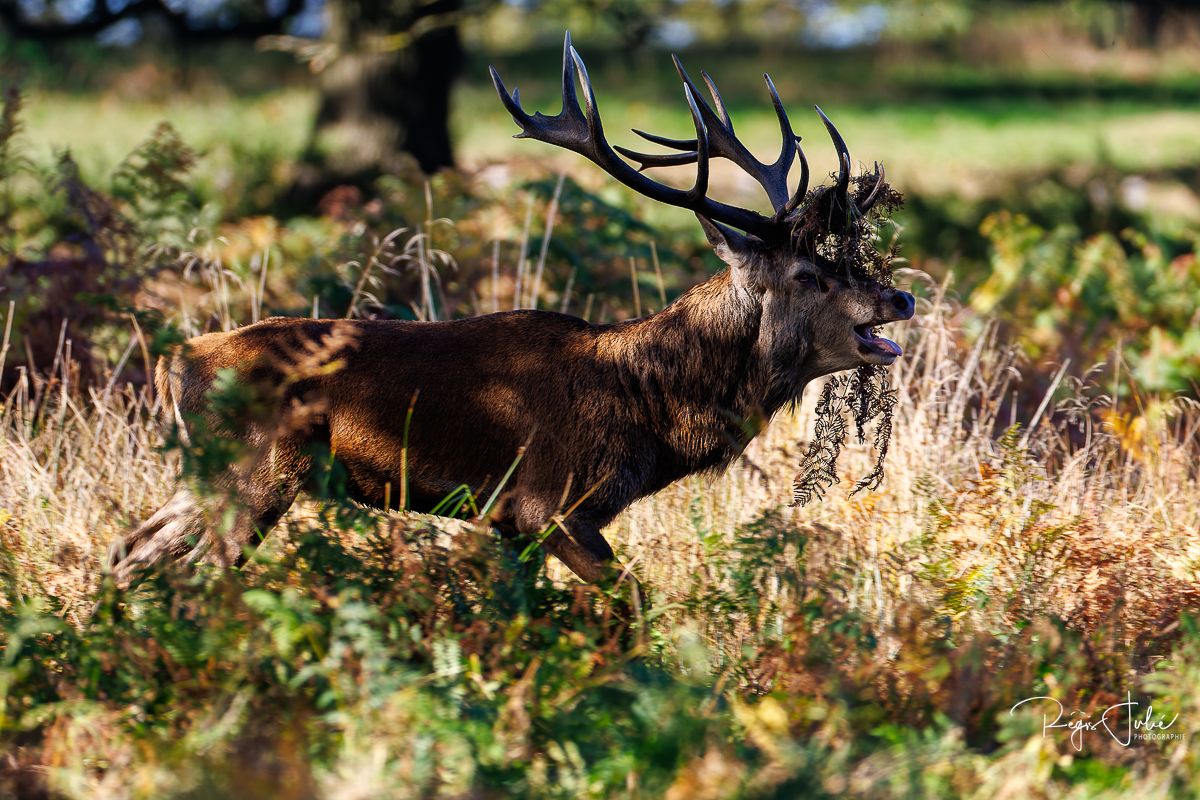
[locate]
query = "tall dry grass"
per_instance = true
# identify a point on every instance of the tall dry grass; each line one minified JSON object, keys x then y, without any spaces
{"x":1056,"y":509}
{"x":76,"y":468}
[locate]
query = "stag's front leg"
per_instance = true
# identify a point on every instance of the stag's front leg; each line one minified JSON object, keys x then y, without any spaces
{"x":580,"y":545}
{"x":575,"y":541}
{"x":584,"y":550}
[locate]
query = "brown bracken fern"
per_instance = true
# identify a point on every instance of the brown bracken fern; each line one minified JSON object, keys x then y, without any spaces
{"x":865,"y":394}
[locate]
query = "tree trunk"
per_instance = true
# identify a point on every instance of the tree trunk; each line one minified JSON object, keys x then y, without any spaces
{"x":1148,"y":15}
{"x":381,"y":107}
{"x":1163,"y":22}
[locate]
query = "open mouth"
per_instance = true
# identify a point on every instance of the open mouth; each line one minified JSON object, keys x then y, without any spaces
{"x":871,"y":342}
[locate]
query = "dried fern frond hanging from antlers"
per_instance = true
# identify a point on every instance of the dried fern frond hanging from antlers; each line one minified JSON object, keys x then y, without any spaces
{"x":865,"y":394}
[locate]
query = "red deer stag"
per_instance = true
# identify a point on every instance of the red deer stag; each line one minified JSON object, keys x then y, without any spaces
{"x":601,"y":414}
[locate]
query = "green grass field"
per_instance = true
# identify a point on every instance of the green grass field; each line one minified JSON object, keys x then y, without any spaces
{"x":932,"y":140}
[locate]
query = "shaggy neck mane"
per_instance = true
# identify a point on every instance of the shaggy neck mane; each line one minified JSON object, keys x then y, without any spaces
{"x":699,"y":371}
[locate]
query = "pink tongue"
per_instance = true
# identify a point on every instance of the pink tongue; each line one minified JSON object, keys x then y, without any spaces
{"x":887,"y":344}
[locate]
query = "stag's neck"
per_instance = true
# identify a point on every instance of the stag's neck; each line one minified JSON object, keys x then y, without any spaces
{"x":698,"y":373}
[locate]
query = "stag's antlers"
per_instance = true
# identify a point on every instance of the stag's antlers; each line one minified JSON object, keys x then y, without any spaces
{"x":580,"y":131}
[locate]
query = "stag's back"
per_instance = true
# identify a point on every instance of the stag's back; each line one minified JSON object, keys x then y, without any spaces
{"x":481,"y":391}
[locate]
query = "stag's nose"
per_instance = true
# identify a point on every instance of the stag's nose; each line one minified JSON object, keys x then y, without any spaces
{"x":902,"y":302}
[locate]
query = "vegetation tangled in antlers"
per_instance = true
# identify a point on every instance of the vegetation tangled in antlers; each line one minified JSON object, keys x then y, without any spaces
{"x":865,"y":393}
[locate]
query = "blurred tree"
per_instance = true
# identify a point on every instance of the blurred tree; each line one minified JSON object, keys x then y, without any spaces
{"x":633,"y":21}
{"x":1141,"y":23}
{"x":385,"y":68}
{"x":1151,"y":17}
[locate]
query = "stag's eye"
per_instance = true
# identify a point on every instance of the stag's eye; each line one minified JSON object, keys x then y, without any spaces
{"x":811,"y":279}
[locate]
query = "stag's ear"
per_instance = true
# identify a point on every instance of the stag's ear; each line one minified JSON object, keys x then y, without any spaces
{"x":735,"y":249}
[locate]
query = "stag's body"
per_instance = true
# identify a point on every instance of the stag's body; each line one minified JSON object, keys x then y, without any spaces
{"x":601,"y":415}
{"x":593,"y":416}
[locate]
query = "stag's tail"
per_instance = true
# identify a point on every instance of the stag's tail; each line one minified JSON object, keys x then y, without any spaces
{"x":162,"y":379}
{"x":167,"y":376}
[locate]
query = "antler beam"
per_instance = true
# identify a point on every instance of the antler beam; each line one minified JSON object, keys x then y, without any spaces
{"x":580,"y":130}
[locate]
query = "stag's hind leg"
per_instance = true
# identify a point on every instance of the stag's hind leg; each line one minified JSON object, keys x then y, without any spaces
{"x":262,"y":498}
{"x":170,"y":533}
{"x":187,"y":527}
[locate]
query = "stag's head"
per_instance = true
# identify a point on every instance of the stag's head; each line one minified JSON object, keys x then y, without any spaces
{"x":821,"y":314}
{"x":812,"y":264}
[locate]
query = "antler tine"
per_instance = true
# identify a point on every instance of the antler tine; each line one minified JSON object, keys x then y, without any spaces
{"x":700,"y":188}
{"x":512,"y":103}
{"x":591,"y":112}
{"x":674,"y":144}
{"x":717,"y":101}
{"x":570,"y":98}
{"x":866,"y":204}
{"x":801,"y":188}
{"x":843,"y":181}
{"x":581,"y":131}
{"x":648,"y":160}
{"x":788,"y":149}
{"x":724,"y":143}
